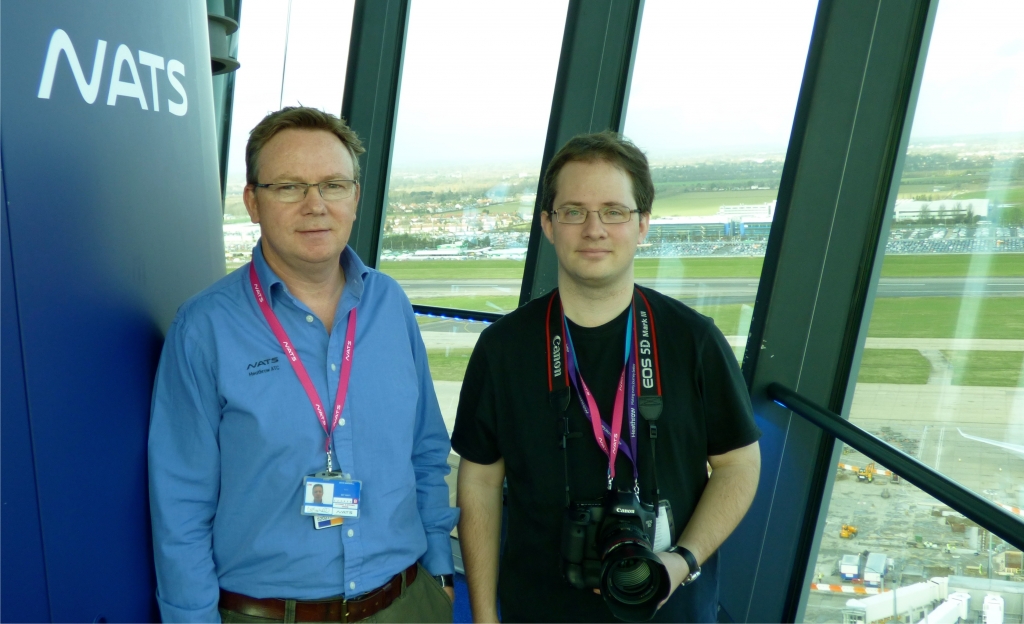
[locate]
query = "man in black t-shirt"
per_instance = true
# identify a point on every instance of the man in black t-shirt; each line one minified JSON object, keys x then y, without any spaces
{"x":597,"y":202}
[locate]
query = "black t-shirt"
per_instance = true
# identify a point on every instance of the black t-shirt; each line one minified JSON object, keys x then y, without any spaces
{"x":504,"y":412}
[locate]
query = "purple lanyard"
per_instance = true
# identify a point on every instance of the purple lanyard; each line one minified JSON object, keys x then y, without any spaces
{"x":609,"y":439}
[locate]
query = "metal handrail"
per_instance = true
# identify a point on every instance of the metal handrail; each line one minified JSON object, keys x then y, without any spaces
{"x":980,"y":510}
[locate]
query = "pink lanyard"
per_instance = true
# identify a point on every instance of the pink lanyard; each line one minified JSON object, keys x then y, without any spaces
{"x":300,"y":370}
{"x":590,"y":409}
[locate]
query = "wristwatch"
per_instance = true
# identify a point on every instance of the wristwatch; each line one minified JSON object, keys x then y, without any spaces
{"x":448,"y":580}
{"x":691,"y":562}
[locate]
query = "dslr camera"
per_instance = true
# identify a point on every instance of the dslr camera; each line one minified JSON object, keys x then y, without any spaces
{"x":607,"y":545}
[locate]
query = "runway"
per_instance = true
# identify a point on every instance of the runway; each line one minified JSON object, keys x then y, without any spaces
{"x":728,"y":290}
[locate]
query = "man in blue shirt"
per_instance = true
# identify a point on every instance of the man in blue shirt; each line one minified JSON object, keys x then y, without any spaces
{"x":258,"y":373}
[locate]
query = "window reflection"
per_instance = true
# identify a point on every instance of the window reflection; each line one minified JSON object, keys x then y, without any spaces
{"x":942,"y":375}
{"x":712,"y":105}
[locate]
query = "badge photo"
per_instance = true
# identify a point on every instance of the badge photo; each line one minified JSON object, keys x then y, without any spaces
{"x":330,"y":496}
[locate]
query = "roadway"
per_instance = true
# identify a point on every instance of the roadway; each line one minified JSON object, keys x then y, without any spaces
{"x":729,"y":289}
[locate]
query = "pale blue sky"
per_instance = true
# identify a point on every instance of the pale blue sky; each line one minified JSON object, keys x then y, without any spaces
{"x":710,"y":78}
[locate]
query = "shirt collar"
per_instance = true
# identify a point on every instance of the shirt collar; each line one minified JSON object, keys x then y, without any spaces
{"x":355,"y":273}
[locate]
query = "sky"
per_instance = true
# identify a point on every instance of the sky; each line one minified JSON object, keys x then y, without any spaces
{"x":711,"y":78}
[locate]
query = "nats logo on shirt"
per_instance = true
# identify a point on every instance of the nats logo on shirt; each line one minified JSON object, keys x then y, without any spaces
{"x":263,"y":366}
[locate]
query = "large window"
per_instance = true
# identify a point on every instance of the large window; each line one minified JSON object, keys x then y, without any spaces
{"x":942,"y":374}
{"x":291,"y":53}
{"x":476,"y":90}
{"x":711,"y":103}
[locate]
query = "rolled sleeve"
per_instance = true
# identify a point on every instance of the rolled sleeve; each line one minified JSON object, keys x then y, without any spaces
{"x":184,"y":476}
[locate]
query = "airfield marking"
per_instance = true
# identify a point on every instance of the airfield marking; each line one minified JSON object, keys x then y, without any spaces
{"x":847,"y":589}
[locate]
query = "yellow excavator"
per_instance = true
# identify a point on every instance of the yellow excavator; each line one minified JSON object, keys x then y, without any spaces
{"x":847,"y":531}
{"x":867,"y":473}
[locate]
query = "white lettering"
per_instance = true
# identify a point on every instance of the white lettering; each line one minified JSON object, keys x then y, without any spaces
{"x":556,"y":354}
{"x":119,"y":87}
{"x":177,"y":108}
{"x":645,"y":347}
{"x":154,"y":63}
{"x":60,"y":42}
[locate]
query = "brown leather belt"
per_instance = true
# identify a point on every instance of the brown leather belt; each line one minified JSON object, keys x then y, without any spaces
{"x":321,"y":610}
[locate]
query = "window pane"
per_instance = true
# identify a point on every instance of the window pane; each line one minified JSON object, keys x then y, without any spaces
{"x":290,"y":53}
{"x":472,"y":119}
{"x":476,"y":90}
{"x":942,"y":374}
{"x":712,"y":103}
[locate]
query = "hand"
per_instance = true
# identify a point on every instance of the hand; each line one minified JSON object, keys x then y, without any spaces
{"x":677,"y":571}
{"x":451,"y":593}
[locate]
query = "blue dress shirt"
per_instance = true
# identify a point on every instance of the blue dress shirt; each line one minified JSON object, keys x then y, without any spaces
{"x":232,"y":434}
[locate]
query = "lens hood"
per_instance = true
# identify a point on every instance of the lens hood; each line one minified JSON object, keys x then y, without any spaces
{"x":634,"y":581}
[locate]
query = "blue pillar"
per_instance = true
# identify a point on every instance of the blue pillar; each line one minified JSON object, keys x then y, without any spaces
{"x":111,"y":219}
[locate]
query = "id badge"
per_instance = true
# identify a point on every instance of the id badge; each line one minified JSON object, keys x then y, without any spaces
{"x":330,"y":494}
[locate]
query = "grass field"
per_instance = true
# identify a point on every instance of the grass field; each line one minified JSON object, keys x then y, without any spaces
{"x":707,"y":203}
{"x":890,"y":366}
{"x":453,"y":269}
{"x":448,"y":364}
{"x":902,"y":317}
{"x":893,"y":366}
{"x":1003,"y":196}
{"x":954,"y":265}
{"x":999,"y":318}
{"x":948,"y":317}
{"x":647,"y":268}
{"x":931,"y":265}
{"x":499,"y":304}
{"x":987,"y":368}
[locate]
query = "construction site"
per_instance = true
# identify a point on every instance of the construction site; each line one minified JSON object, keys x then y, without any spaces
{"x":890,"y":552}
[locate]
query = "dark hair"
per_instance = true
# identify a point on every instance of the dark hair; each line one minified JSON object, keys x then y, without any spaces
{"x":608,"y":146}
{"x":299,"y":118}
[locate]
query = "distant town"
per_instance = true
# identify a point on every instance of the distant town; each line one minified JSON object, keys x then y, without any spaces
{"x":950,"y":201}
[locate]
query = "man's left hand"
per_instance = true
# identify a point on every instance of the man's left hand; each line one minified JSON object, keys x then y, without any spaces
{"x":677,"y":571}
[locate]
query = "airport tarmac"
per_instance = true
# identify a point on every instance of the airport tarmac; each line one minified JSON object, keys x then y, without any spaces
{"x":922,"y":536}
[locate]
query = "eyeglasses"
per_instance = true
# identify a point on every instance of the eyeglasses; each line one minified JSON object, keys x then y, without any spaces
{"x":291,"y":192}
{"x":609,"y":215}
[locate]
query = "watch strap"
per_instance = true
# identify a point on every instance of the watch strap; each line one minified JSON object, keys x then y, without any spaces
{"x":691,"y":563}
{"x":446,"y":580}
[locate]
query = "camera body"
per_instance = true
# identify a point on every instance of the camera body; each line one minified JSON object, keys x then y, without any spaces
{"x":606,"y":545}
{"x":591,"y":529}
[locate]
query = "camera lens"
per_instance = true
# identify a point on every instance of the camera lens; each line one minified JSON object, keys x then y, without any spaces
{"x":631,"y":580}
